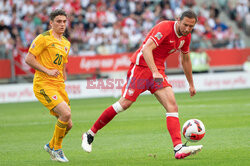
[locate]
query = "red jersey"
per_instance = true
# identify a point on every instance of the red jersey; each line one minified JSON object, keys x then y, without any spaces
{"x":167,"y":41}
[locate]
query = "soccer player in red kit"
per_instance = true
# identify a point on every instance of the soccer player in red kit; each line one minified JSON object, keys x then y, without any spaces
{"x":147,"y":73}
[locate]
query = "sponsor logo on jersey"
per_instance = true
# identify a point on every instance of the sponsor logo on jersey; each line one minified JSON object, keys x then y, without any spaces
{"x":54,"y":97}
{"x":158,"y":35}
{"x":171,"y":41}
{"x":66,"y":49}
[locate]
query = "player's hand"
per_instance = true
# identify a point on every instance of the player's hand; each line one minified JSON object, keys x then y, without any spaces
{"x":53,"y":72}
{"x":158,"y":77}
{"x":192,"y":91}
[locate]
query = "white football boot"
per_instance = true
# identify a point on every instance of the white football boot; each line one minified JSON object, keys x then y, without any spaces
{"x":59,"y":156}
{"x":87,"y":140}
{"x":185,"y":151}
{"x":47,"y":149}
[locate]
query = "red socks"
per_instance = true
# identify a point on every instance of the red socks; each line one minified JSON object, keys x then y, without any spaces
{"x":172,"y":119}
{"x":173,"y":126}
{"x":104,"y":119}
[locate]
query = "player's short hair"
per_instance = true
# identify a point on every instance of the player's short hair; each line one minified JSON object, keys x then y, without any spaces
{"x":190,"y":14}
{"x":57,"y":12}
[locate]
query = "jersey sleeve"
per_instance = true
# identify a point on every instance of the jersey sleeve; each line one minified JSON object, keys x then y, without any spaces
{"x":37,"y":45}
{"x":159,"y":32}
{"x":185,"y":47}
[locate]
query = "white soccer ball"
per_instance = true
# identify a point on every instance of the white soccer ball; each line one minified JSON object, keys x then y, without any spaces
{"x":193,"y":130}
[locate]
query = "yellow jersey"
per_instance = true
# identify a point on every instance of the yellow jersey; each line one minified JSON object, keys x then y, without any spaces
{"x":52,"y":54}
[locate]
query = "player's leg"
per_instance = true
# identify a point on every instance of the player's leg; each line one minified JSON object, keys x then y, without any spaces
{"x":166,"y":97}
{"x":64,"y":118}
{"x":103,"y":120}
{"x":110,"y":113}
{"x":54,"y":99}
{"x":69,"y":127}
{"x":65,"y":97}
{"x":50,"y":146}
{"x":131,"y":90}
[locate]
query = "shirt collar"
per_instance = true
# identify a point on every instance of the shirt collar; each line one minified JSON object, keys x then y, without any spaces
{"x":175,"y":30}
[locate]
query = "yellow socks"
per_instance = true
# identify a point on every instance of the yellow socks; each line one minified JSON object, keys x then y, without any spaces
{"x":59,"y":133}
{"x":51,"y":143}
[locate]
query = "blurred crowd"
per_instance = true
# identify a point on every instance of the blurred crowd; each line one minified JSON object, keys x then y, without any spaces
{"x":117,"y":26}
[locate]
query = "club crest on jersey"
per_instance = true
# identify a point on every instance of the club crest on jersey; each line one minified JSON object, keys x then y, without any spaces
{"x":54,"y":97}
{"x":131,"y":92}
{"x":66,"y":49}
{"x":181,"y":44}
{"x":158,"y":35}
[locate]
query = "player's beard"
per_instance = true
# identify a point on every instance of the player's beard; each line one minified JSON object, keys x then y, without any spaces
{"x":180,"y":32}
{"x":184,"y":34}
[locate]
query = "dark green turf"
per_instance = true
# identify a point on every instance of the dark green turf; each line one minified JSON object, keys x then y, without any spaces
{"x":135,"y":137}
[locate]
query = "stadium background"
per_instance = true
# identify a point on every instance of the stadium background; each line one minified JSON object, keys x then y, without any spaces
{"x":104,"y":34}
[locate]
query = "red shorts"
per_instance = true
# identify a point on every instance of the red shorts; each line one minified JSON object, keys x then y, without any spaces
{"x":140,"y":79}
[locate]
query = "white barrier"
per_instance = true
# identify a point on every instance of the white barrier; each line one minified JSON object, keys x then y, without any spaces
{"x":112,"y":87}
{"x":212,"y":81}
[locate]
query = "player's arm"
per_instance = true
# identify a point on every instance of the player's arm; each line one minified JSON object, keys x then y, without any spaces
{"x":64,"y":72}
{"x":187,"y":68}
{"x":147,"y":52}
{"x":30,"y":59}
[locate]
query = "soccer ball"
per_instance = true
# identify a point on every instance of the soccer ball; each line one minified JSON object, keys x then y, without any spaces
{"x":193,"y":130}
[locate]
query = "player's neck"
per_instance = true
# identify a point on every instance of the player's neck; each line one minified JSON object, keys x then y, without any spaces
{"x":57,"y":35}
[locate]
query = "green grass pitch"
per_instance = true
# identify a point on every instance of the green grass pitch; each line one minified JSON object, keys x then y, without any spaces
{"x":135,"y":137}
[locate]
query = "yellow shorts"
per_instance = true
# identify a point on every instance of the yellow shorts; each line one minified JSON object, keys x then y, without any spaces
{"x":50,"y":96}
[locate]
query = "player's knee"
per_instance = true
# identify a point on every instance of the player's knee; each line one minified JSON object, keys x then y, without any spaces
{"x":173,"y":108}
{"x":121,"y":106}
{"x":66,"y":115}
{"x":126,"y":104}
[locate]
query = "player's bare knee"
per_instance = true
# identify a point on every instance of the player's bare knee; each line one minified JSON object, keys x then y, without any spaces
{"x":66,"y":115}
{"x":173,"y":108}
{"x":127,"y":104}
{"x":122,"y":105}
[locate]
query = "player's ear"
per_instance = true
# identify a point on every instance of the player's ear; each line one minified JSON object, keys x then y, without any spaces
{"x":50,"y":23}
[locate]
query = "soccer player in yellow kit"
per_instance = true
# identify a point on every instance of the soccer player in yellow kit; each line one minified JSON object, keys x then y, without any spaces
{"x":48,"y":55}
